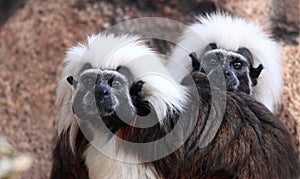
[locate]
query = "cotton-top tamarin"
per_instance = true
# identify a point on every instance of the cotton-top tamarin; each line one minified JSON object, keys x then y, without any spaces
{"x":250,"y":59}
{"x":122,"y":115}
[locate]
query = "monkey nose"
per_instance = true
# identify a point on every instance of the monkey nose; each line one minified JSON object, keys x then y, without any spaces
{"x":227,"y":73}
{"x":102,"y":91}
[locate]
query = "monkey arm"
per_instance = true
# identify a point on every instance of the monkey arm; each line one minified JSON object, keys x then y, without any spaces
{"x":250,"y":142}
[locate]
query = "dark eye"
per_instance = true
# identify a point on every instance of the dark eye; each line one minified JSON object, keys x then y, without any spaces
{"x":116,"y":84}
{"x":237,"y":65}
{"x":212,"y":61}
{"x":88,"y":81}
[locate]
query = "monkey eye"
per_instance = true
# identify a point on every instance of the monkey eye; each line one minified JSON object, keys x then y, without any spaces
{"x":212,"y":61}
{"x":116,"y":84}
{"x":88,"y":81}
{"x":237,"y":65}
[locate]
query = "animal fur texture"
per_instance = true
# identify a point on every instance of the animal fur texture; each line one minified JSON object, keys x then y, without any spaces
{"x":250,"y":143}
{"x":108,"y":52}
{"x":231,"y":33}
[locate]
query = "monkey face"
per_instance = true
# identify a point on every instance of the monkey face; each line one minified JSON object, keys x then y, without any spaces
{"x":237,"y":67}
{"x":234,"y":66}
{"x":103,"y":94}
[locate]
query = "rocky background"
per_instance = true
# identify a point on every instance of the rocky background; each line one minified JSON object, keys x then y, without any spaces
{"x":34,"y":35}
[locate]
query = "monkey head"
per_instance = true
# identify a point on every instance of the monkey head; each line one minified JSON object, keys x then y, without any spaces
{"x":231,"y":33}
{"x":104,"y":95}
{"x":115,"y":80}
{"x":236,"y":66}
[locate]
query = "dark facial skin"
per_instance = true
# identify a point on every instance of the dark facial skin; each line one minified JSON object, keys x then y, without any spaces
{"x":103,"y":95}
{"x":235,"y":69}
{"x":108,"y":95}
{"x":236,"y":66}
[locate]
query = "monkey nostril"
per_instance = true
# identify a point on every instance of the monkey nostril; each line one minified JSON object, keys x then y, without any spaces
{"x":106,"y":92}
{"x":227,"y":73}
{"x":102,"y":91}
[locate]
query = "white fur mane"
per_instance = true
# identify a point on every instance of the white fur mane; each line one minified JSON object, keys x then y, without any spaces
{"x":108,"y":52}
{"x":231,"y":33}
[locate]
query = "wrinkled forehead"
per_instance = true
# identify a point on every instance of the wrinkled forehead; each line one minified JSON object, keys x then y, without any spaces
{"x":224,"y":55}
{"x":105,"y":74}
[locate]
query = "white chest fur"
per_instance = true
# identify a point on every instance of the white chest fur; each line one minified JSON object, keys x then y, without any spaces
{"x":101,"y":166}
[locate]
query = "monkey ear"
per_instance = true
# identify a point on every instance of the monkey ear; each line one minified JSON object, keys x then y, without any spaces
{"x":255,"y":72}
{"x":72,"y":82}
{"x":126,"y":72}
{"x":136,"y":87}
{"x":142,"y":107}
{"x":118,"y":68}
{"x":210,"y":47}
{"x":85,"y":67}
{"x":195,"y":61}
{"x":245,"y":53}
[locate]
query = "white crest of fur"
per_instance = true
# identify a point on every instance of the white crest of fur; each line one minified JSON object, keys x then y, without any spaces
{"x":108,"y":52}
{"x":231,"y":33}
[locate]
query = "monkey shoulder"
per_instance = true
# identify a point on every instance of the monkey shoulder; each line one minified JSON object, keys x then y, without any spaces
{"x":250,"y":142}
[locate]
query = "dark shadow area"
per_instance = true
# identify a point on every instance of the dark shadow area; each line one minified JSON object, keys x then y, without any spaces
{"x":8,"y":8}
{"x":288,"y":37}
{"x":284,"y":17}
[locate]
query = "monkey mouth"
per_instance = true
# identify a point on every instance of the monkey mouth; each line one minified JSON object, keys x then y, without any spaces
{"x":106,"y":112}
{"x":105,"y":107}
{"x":84,"y":112}
{"x":231,"y":85}
{"x":231,"y":88}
